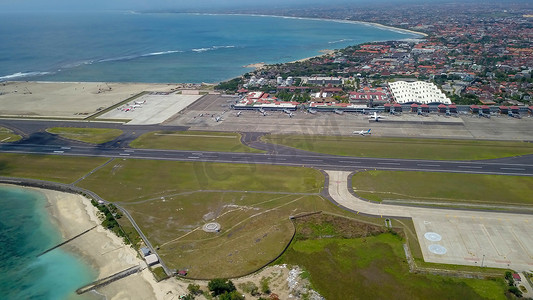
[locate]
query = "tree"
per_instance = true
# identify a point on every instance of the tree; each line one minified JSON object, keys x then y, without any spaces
{"x":516,"y":291}
{"x":231,"y":296}
{"x":220,"y":286}
{"x":194,"y":289}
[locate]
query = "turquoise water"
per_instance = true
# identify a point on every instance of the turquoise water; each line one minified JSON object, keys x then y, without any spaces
{"x":26,"y":231}
{"x":131,"y":47}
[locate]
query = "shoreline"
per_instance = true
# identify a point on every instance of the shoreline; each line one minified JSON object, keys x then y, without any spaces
{"x":103,"y":251}
{"x":382,"y":26}
{"x":105,"y":254}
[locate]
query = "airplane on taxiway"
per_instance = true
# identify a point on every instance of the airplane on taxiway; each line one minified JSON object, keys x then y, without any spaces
{"x":363,"y":132}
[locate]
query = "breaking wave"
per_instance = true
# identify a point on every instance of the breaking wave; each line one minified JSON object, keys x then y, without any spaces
{"x":22,"y":74}
{"x":340,"y":41}
{"x":212,"y":48}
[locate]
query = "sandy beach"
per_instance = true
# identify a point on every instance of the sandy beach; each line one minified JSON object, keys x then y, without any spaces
{"x":338,"y":21}
{"x":104,"y":251}
{"x":107,"y":254}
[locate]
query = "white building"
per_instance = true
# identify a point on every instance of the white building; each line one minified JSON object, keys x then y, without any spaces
{"x":151,"y":259}
{"x":418,"y":91}
{"x":323,"y":80}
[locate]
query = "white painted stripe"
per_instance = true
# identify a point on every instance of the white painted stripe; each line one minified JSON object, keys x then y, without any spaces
{"x":383,"y":163}
{"x":427,"y":165}
{"x":517,"y":169}
{"x":470,"y":167}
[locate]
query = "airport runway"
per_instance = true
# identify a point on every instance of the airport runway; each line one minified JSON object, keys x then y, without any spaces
{"x":330,"y":162}
{"x":37,"y":141}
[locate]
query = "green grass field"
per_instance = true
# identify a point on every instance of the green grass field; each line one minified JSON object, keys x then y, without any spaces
{"x":192,"y":140}
{"x":409,"y":148}
{"x":444,"y":187}
{"x":171,"y":201}
{"x":255,"y":228}
{"x":7,"y":136}
{"x":374,"y":267}
{"x":87,"y":135}
{"x":56,"y":168}
{"x":133,"y":180}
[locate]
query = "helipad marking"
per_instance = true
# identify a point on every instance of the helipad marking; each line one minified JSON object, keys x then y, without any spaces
{"x":437,"y":249}
{"x":432,"y":236}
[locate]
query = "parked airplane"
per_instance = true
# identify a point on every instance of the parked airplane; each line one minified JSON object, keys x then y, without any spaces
{"x":218,"y":119}
{"x":363,"y":132}
{"x":291,"y":115}
{"x":376,"y":117}
{"x":312,"y":111}
{"x":239,"y":113}
{"x":338,"y":112}
{"x":263,"y":111}
{"x":140,"y":102}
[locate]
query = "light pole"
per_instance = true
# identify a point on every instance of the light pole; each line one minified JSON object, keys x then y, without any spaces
{"x":482,"y":260}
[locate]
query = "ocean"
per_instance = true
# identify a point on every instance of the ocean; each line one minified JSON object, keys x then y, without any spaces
{"x":26,"y":231}
{"x":163,"y":47}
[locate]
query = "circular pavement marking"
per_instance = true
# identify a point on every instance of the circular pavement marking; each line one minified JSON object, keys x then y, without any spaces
{"x":432,"y":236}
{"x":211,"y":227}
{"x":437,"y":249}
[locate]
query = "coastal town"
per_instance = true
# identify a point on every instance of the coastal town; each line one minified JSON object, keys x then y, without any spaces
{"x":393,"y":169}
{"x":475,"y":55}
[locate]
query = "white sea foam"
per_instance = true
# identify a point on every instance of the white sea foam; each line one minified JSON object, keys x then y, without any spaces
{"x":161,"y":53}
{"x":212,"y":48}
{"x":340,"y":41}
{"x":21,"y":75}
{"x":130,"y":57}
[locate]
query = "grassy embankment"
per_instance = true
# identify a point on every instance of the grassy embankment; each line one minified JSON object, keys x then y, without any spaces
{"x":444,"y":188}
{"x":87,"y":135}
{"x":341,"y":265}
{"x":408,"y":148}
{"x":192,"y":140}
{"x":7,"y":136}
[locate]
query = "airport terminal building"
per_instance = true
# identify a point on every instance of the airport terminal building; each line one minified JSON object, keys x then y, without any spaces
{"x":419,"y":92}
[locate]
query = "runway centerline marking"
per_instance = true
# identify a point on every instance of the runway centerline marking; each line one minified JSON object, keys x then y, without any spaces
{"x":470,"y":167}
{"x":386,"y":163}
{"x":517,"y":169}
{"x":427,"y":165}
